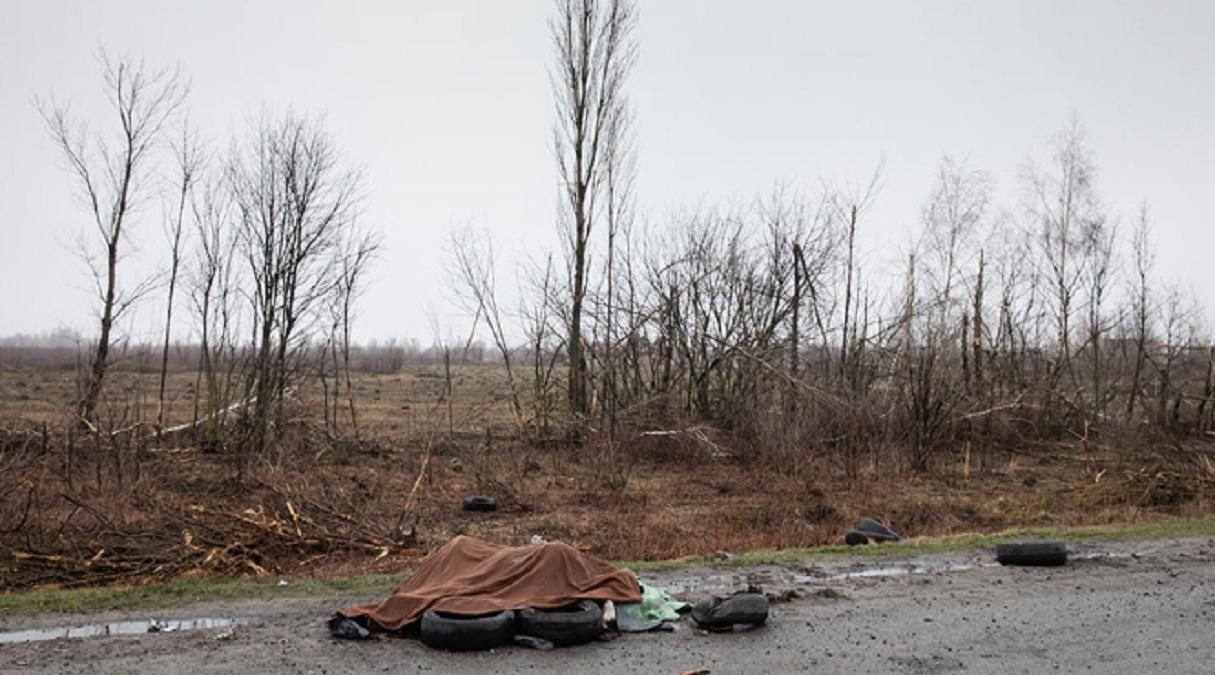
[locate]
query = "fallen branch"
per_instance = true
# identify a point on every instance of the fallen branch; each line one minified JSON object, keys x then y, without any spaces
{"x":995,"y":409}
{"x":411,"y":498}
{"x":197,"y":423}
{"x":696,"y":433}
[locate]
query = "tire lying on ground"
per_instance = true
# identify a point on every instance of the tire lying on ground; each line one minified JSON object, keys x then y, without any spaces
{"x":855,"y":538}
{"x":458,"y":632}
{"x":480,"y":503}
{"x":573,"y":624}
{"x":876,"y":531}
{"x":1036,"y":553}
{"x":722,"y":612}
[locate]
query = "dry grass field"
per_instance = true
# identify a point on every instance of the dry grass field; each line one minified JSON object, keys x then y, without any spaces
{"x":320,"y":508}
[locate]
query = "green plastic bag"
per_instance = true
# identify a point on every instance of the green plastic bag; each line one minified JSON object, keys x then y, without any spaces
{"x":656,"y":605}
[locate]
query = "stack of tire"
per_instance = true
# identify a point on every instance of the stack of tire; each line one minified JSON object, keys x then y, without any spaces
{"x":574,"y":624}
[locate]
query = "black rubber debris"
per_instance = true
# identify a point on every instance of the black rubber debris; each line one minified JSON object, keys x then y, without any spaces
{"x":855,"y":538}
{"x":480,"y":503}
{"x":347,"y":629}
{"x":722,"y":612}
{"x":876,"y":530}
{"x":1032,"y":553}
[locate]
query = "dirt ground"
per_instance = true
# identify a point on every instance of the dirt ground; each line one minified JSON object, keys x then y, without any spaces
{"x":1119,"y":608}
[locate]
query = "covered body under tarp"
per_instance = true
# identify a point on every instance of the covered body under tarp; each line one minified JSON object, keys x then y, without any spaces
{"x":474,"y":577}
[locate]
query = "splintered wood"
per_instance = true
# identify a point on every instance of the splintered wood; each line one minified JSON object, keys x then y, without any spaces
{"x":267,"y":538}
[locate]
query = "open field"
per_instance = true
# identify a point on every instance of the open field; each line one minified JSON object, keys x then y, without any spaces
{"x":401,"y":406}
{"x":646,"y":498}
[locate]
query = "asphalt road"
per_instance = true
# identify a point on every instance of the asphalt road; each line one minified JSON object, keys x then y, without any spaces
{"x":1137,"y":608}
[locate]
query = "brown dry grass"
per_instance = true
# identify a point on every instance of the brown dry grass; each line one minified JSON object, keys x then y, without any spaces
{"x":641,"y":499}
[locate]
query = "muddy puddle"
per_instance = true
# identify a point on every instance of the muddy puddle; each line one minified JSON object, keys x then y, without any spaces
{"x":783,"y":577}
{"x":778,"y":578}
{"x":117,"y":628}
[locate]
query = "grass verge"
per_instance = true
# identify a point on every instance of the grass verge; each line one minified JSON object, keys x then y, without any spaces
{"x":192,"y":590}
{"x":1162,"y":529}
{"x":187,"y":591}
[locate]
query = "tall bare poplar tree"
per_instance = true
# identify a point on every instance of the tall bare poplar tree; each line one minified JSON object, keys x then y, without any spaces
{"x":112,"y":172}
{"x":595,"y":51}
{"x":189,"y":164}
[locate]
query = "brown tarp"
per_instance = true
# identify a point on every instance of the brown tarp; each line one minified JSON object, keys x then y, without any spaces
{"x":471,"y":576}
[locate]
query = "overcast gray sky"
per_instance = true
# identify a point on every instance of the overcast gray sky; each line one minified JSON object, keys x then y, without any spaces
{"x":447,"y":107}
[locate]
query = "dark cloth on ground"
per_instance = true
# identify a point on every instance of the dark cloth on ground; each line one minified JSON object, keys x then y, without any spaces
{"x":473,"y":577}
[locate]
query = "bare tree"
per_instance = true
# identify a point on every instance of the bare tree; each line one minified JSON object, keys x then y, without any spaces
{"x":189,"y":164}
{"x":113,"y":174}
{"x":543,"y":342}
{"x":475,"y":285}
{"x":937,"y":339}
{"x":1099,"y":262}
{"x":1178,"y":319}
{"x":1065,"y":206}
{"x":1141,"y":303}
{"x":1018,"y":291}
{"x":595,"y":51}
{"x":213,"y":295}
{"x":294,"y":202}
{"x":355,"y":254}
{"x":621,"y":170}
{"x":848,"y":207}
{"x":850,"y":273}
{"x":979,"y":327}
{"x":951,"y":221}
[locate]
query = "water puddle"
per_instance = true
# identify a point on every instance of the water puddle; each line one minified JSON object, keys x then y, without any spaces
{"x":116,"y":628}
{"x":1102,"y":555}
{"x":906,"y":570}
{"x":684,"y":586}
{"x":704,"y":584}
{"x":713,"y":583}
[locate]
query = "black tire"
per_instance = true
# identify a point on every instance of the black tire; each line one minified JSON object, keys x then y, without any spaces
{"x":1036,"y":553}
{"x":464,"y":633}
{"x":574,"y":624}
{"x":718,"y":612}
{"x":480,"y":503}
{"x":876,"y":531}
{"x":854,"y":538}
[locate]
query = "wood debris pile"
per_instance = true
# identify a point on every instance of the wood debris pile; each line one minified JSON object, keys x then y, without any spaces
{"x":279,"y":534}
